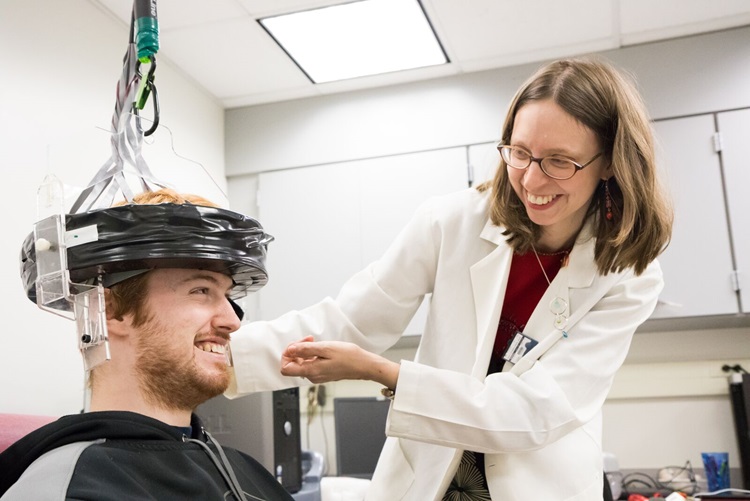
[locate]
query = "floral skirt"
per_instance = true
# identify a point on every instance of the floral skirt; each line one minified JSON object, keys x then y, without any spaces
{"x":469,"y":483}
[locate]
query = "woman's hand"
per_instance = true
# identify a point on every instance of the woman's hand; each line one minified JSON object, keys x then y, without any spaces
{"x":325,"y":361}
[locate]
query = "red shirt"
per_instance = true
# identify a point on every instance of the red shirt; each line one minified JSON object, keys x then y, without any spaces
{"x":526,"y":286}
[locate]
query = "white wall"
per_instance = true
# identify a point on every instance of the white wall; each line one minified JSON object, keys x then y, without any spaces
{"x":669,"y":402}
{"x":60,"y":62}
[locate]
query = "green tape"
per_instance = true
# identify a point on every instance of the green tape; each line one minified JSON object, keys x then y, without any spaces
{"x":146,"y":38}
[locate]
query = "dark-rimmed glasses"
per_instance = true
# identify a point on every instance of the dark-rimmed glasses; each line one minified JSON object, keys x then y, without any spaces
{"x":554,"y":166}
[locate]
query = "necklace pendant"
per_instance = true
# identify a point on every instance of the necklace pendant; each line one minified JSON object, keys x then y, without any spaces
{"x":560,"y":322}
{"x":558,"y":306}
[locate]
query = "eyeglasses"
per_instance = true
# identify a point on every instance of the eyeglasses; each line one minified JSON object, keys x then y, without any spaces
{"x":554,"y":166}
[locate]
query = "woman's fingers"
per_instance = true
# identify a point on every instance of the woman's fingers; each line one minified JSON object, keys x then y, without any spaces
{"x":322,"y":361}
{"x":309,"y":350}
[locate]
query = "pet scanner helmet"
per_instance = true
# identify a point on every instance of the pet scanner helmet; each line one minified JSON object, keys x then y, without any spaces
{"x":73,"y":254}
{"x":69,"y":258}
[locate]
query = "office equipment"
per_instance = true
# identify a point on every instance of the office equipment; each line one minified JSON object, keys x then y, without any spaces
{"x":313,"y":466}
{"x":739,"y":394}
{"x":360,"y":434}
{"x":612,"y":476}
{"x":264,"y":425}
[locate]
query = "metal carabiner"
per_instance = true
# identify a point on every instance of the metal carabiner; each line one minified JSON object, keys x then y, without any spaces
{"x":146,"y":88}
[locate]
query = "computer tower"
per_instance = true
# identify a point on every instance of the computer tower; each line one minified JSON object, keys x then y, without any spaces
{"x":263,"y":425}
{"x":739,"y":394}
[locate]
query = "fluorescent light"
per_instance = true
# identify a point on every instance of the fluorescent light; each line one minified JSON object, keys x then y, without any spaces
{"x":356,"y":39}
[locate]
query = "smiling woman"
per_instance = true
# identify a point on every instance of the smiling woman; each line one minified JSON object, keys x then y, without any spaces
{"x":558,"y":206}
{"x":535,"y":293}
{"x":595,"y":100}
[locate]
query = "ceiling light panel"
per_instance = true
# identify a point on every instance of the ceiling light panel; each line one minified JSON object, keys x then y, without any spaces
{"x":357,"y":39}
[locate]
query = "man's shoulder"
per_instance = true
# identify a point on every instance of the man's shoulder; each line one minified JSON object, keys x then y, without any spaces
{"x":170,"y":470}
{"x":138,"y":468}
{"x":49,"y":476}
{"x":72,"y":429}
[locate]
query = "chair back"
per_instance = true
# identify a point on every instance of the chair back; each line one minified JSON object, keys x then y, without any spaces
{"x":15,"y":426}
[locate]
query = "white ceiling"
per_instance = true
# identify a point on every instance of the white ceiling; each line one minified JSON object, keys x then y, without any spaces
{"x":220,"y":45}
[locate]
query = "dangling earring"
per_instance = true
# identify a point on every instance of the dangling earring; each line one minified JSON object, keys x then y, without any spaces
{"x":607,"y":201}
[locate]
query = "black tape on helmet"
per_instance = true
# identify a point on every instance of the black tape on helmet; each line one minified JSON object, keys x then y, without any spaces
{"x":137,"y":237}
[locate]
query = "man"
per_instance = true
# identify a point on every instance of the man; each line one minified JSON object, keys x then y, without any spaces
{"x":169,"y":330}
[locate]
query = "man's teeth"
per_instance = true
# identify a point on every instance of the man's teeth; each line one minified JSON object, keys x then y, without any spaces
{"x":539,"y":200}
{"x":212,"y":347}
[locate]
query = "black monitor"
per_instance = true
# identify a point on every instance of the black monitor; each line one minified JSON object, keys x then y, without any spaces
{"x":360,"y":434}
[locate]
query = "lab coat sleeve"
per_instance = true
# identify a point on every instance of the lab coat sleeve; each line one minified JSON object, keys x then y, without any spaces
{"x":562,"y":391}
{"x":372,"y":310}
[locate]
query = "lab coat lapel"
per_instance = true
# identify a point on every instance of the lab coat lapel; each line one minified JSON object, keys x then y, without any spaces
{"x":579,"y":273}
{"x":540,"y":324}
{"x":489,"y":277}
{"x":575,"y":284}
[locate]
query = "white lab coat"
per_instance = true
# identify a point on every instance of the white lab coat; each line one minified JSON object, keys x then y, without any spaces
{"x":539,"y":422}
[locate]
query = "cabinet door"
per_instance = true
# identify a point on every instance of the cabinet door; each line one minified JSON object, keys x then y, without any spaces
{"x":331,"y":221}
{"x":484,"y":159}
{"x":391,"y":190}
{"x":314,"y":218}
{"x":698,"y":262}
{"x":734,"y":127}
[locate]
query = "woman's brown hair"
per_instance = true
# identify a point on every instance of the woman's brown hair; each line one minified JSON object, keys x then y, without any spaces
{"x":599,"y":97}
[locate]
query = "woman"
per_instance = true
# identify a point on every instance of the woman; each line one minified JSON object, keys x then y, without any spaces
{"x":538,"y":280}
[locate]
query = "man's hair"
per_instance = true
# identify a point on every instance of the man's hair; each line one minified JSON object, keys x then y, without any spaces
{"x":599,"y":97}
{"x":129,"y":296}
{"x":168,"y":196}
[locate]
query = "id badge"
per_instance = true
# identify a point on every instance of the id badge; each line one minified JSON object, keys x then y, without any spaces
{"x":519,"y":346}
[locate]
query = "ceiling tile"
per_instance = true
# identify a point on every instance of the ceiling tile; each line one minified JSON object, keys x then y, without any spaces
{"x":232,"y":58}
{"x":492,"y":29}
{"x":263,"y":8}
{"x":646,"y":20}
{"x":220,"y":45}
{"x":181,"y":13}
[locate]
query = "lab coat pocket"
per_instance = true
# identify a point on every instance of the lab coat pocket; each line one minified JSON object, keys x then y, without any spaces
{"x":574,"y":459}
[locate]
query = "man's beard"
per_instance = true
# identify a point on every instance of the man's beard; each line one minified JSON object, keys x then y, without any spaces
{"x":167,"y":378}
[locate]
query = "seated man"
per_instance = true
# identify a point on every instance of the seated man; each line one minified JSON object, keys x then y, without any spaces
{"x":168,"y":328}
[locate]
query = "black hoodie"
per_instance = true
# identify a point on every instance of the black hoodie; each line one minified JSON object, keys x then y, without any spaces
{"x":115,"y":455}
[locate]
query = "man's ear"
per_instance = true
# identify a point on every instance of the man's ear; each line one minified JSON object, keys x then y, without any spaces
{"x":116,"y":326}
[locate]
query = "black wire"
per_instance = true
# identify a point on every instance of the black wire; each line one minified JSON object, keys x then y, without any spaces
{"x":646,"y":481}
{"x":688,"y":467}
{"x":733,"y":368}
{"x":131,"y":39}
